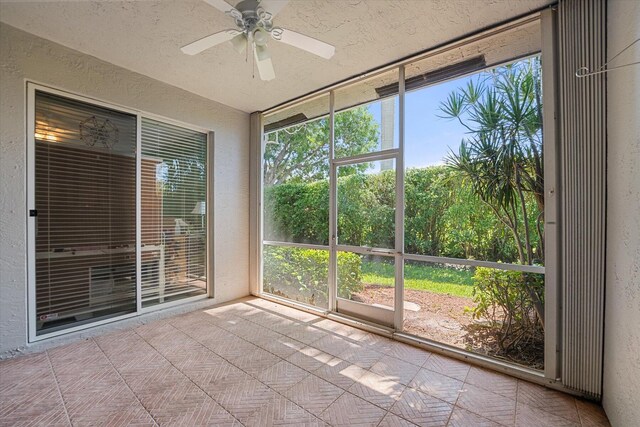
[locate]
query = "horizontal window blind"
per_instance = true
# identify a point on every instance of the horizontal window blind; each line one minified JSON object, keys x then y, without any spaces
{"x":173,"y":212}
{"x":85,"y":169}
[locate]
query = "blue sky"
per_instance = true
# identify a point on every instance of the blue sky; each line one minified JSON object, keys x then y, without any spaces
{"x":427,"y":136}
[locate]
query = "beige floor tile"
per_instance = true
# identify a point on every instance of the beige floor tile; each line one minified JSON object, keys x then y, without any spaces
{"x":255,"y":362}
{"x":242,"y":399}
{"x":447,"y":366}
{"x":306,"y":334}
{"x":408,"y":353}
{"x":551,"y":401}
{"x":528,"y":416}
{"x":378,"y":342}
{"x":309,"y":358}
{"x":29,"y":393}
{"x":281,"y":411}
{"x":591,"y":414}
{"x":391,"y":420}
{"x":463,"y":418}
{"x":437,"y":385}
{"x":340,"y":329}
{"x":314,"y":394}
{"x":334,"y":345}
{"x":493,"y":381}
{"x":422,"y":409}
{"x":487,"y":404}
{"x":362,"y":356}
{"x":340,"y":372}
{"x":282,"y":346}
{"x":282,"y":376}
{"x":379,"y":390}
{"x":352,"y":411}
{"x":259,"y":363}
{"x":395,"y":369}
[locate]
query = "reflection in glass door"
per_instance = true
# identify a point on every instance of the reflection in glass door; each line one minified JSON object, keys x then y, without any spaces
{"x":365,"y":240}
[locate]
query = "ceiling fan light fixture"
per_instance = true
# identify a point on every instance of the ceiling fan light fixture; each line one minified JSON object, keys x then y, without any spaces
{"x":260,"y":37}
{"x":239,"y":42}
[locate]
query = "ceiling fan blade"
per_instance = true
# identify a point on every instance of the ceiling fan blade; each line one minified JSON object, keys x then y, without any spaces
{"x":273,"y":6}
{"x":221,"y":5}
{"x":209,"y":41}
{"x":263,"y":61}
{"x":307,"y":43}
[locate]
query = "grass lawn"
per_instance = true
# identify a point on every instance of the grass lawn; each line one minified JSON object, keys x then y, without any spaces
{"x":418,"y":277}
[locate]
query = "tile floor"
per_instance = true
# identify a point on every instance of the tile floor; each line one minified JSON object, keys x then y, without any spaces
{"x":256,"y":363}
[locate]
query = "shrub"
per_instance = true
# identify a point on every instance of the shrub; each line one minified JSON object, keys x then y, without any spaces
{"x":503,"y":298}
{"x":301,"y":274}
{"x":443,"y":216}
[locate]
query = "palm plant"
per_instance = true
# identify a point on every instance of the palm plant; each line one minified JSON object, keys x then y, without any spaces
{"x":502,"y":156}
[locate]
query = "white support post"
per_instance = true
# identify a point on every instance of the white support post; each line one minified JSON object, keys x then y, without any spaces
{"x":399,"y":244}
{"x":255,"y":207}
{"x":210,"y":211}
{"x":333,"y":211}
{"x":552,"y":342}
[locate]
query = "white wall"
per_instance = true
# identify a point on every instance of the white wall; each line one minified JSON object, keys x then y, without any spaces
{"x":27,"y":57}
{"x":621,"y":387}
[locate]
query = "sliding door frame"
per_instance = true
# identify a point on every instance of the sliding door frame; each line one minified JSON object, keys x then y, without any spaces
{"x":31,"y":88}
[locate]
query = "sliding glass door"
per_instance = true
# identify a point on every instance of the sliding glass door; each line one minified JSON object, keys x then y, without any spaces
{"x":117,"y":212}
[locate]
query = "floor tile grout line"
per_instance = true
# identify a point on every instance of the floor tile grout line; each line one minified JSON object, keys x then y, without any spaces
{"x":155,"y":422}
{"x":185,"y":375}
{"x":55,"y":378}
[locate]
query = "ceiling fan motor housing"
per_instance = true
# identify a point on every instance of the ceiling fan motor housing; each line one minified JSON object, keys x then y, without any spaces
{"x":251,"y":17}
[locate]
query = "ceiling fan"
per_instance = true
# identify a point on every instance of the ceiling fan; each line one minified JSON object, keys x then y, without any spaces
{"x":254,"y":26}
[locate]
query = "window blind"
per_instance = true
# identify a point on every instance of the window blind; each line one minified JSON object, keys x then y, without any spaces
{"x":85,"y":169}
{"x":173,"y":212}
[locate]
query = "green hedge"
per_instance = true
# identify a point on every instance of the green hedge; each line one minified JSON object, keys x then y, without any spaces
{"x":443,"y":216}
{"x":301,"y":274}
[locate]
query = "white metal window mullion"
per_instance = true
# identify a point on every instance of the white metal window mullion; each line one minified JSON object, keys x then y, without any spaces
{"x":552,"y":297}
{"x":399,"y":243}
{"x":209,"y":206}
{"x":333,"y":211}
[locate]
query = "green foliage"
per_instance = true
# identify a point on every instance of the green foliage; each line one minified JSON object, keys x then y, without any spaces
{"x":300,"y":153}
{"x":301,"y":274}
{"x":443,"y":215}
{"x":297,"y":212}
{"x":503,"y":297}
{"x":501,"y":158}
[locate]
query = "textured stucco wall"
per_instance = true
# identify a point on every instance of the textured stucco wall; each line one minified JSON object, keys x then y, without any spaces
{"x":621,"y":392}
{"x":27,"y":57}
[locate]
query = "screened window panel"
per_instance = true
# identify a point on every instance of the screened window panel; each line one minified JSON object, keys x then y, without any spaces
{"x":173,"y":212}
{"x":85,"y":168}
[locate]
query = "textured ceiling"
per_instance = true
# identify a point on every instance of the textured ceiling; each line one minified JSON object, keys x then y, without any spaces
{"x":146,"y":36}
